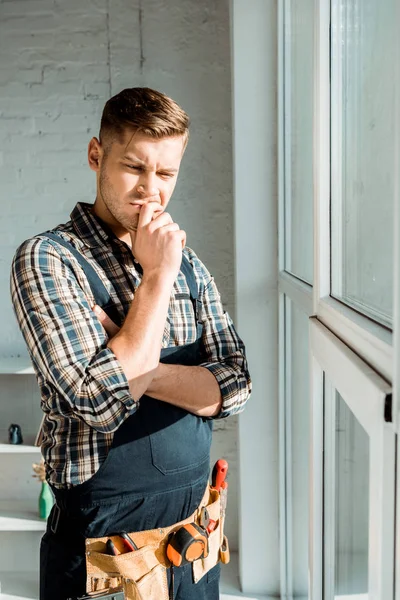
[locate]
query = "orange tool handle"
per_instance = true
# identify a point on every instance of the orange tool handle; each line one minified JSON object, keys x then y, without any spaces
{"x":219,"y":473}
{"x":211,"y":526}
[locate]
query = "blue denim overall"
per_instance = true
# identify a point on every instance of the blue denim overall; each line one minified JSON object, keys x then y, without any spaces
{"x":154,"y":475}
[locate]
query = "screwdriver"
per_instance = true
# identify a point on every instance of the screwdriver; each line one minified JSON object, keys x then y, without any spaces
{"x":111,"y":549}
{"x":219,"y":473}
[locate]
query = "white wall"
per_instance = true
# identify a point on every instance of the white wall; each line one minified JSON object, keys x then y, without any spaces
{"x":59,"y":62}
{"x":254,"y":45}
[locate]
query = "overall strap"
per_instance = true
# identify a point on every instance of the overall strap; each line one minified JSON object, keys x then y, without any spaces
{"x":188,"y":272}
{"x":103,"y":297}
{"x":98,"y":288}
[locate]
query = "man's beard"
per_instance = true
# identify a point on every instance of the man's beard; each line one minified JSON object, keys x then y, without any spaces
{"x":114,"y":207}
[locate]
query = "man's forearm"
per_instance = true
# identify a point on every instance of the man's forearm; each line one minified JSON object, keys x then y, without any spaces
{"x":138,"y":343}
{"x":193,"y":388}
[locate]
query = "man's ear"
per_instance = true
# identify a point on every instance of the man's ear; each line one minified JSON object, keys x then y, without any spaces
{"x":95,"y":154}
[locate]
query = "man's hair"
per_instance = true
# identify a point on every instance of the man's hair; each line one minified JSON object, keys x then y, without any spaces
{"x":144,"y":110}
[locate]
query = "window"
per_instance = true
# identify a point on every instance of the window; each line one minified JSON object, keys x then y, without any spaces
{"x":298,"y":92}
{"x":296,"y":419}
{"x":354,"y":463}
{"x":338,"y":68}
{"x":351,"y":501}
{"x":363,"y":154}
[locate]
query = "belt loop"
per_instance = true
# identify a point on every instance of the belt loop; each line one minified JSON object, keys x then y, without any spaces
{"x":55,"y":518}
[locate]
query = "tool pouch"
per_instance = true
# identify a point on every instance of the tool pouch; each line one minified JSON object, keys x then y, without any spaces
{"x":216,"y":511}
{"x":140,"y":573}
{"x":143,"y":573}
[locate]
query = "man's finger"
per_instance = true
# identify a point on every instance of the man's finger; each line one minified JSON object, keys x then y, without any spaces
{"x":161,"y":220}
{"x":109,"y":325}
{"x":183,"y":238}
{"x":147,"y":211}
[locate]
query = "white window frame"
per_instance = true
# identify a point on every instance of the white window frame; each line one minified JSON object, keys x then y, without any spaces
{"x":365,"y":393}
{"x":369,"y":339}
{"x":300,"y":293}
{"x":396,"y":303}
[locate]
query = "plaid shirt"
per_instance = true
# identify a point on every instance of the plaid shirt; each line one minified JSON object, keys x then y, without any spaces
{"x":85,"y":393}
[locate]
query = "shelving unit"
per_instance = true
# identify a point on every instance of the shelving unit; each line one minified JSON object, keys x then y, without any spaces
{"x":20,"y":449}
{"x":20,"y":526}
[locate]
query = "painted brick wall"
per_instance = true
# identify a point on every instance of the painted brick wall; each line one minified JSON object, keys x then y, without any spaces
{"x":59,"y":62}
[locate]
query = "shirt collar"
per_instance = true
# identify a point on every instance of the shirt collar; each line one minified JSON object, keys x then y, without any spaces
{"x":90,"y":229}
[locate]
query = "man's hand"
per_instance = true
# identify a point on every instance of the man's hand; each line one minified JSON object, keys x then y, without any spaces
{"x":109,"y":325}
{"x":174,"y":384}
{"x":157,"y":244}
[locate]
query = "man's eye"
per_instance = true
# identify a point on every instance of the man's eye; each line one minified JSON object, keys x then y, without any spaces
{"x":134,"y":167}
{"x":166,"y":175}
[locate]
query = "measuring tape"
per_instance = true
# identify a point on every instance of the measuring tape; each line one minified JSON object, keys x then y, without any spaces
{"x":187,"y":544}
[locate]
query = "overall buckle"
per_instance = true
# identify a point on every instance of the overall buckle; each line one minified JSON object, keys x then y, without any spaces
{"x":55,"y":518}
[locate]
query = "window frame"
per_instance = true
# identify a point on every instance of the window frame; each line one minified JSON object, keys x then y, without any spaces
{"x":369,"y":340}
{"x":300,"y":292}
{"x":365,"y":393}
{"x":396,"y":306}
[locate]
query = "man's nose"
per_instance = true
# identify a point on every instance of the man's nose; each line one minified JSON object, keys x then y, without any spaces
{"x":147,"y":187}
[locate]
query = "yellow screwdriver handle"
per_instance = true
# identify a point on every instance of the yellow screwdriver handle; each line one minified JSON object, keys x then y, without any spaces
{"x":224,"y":551}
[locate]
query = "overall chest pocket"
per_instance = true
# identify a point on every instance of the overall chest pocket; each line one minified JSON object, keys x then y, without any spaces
{"x":179,"y":441}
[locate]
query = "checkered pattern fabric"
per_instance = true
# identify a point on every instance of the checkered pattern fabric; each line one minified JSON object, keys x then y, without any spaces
{"x":85,"y":394}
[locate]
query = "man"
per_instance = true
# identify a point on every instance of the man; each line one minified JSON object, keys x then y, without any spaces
{"x":128,"y":400}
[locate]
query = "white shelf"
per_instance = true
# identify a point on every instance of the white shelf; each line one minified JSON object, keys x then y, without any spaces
{"x":19,"y":449}
{"x":16,"y":366}
{"x":20,"y":516}
{"x":19,"y":586}
{"x":20,"y":526}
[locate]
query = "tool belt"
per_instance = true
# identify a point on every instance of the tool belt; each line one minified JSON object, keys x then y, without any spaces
{"x":142,"y":574}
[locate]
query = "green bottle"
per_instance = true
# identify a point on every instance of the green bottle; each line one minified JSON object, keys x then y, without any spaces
{"x":46,"y":500}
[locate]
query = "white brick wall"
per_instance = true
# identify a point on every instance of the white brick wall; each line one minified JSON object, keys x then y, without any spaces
{"x":59,"y":62}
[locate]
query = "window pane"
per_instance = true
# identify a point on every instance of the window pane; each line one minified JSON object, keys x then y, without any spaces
{"x":298,"y":94}
{"x":351,"y":504}
{"x":363,"y":140}
{"x":299,"y":469}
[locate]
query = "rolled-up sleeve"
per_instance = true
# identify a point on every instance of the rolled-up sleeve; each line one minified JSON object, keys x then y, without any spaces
{"x":224,"y":351}
{"x":66,"y":341}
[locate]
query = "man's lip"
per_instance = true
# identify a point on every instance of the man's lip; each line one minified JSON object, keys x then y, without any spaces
{"x":138,"y":203}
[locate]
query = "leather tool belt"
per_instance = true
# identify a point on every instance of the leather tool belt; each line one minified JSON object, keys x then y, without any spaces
{"x":143,"y":572}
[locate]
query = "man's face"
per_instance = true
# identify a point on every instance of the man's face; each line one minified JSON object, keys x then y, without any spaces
{"x":132,"y":171}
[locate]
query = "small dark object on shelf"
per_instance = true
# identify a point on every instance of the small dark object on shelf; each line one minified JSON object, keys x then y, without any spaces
{"x":14,"y":434}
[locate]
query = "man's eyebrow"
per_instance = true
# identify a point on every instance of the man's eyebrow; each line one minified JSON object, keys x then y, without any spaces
{"x":169,"y":169}
{"x":141,"y":162}
{"x":133,"y":158}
